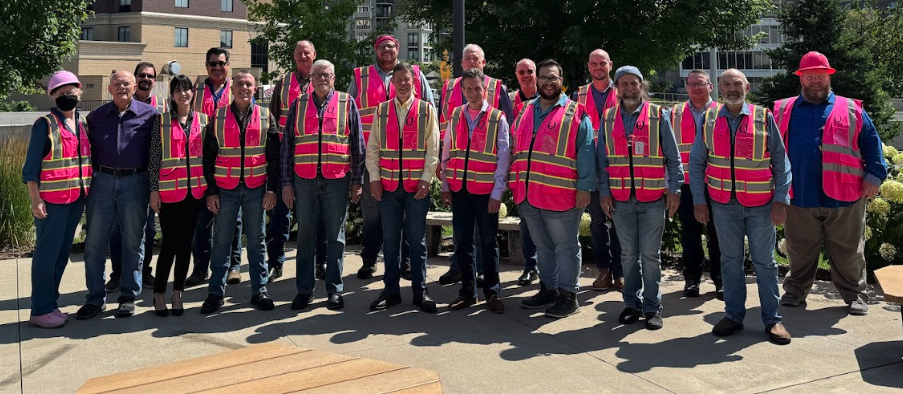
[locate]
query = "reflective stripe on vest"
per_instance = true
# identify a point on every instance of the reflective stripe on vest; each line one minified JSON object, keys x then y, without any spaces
{"x":645,"y":175}
{"x":473,"y":159}
{"x":287,"y":96}
{"x":233,"y":162}
{"x":684,"y":125}
{"x":751,"y":179}
{"x":842,"y":164}
{"x":402,"y":153}
{"x":371,"y":91}
{"x":544,"y":169}
{"x":586,"y":99}
{"x":181,"y":164}
{"x":67,"y":167}
{"x":452,"y":98}
{"x":159,"y":104}
{"x":206,"y":105}
{"x":322,"y":142}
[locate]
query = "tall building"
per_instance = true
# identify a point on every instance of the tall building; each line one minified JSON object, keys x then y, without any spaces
{"x":372,"y":15}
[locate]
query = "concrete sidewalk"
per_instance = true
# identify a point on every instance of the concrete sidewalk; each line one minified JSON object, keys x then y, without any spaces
{"x":474,"y":351}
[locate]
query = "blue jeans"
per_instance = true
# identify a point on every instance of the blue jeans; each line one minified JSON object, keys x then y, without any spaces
{"x":471,"y":212}
{"x":372,"y":234}
{"x":51,"y":253}
{"x":734,"y":221}
{"x":203,"y":242}
{"x":321,"y":200}
{"x":150,"y":231}
{"x":250,"y":203}
{"x":278,"y":232}
{"x":527,"y":246}
{"x":123,"y":199}
{"x":640,"y":229}
{"x":555,"y":235}
{"x":606,"y":245}
{"x":400,"y":209}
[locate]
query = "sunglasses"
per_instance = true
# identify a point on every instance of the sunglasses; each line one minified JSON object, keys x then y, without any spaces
{"x":146,"y":76}
{"x":217,"y":64}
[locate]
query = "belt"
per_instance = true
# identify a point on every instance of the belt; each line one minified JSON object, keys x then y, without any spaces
{"x":116,"y":171}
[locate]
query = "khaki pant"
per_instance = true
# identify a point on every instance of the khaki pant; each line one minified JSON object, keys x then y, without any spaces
{"x":843,"y":233}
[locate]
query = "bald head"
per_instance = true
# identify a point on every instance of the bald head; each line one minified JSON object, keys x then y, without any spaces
{"x":734,"y":73}
{"x":733,"y":86}
{"x":122,"y":87}
{"x":525,"y":71}
{"x":304,"y":56}
{"x":599,"y":66}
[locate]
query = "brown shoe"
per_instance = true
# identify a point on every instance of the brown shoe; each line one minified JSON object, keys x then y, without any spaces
{"x":461,"y":303}
{"x":234,"y":277}
{"x":495,"y":305}
{"x":618,"y":284}
{"x":603,"y":281}
{"x":778,"y":334}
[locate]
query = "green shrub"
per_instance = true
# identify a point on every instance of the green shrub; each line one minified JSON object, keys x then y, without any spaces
{"x":16,"y":106}
{"x":16,"y":222}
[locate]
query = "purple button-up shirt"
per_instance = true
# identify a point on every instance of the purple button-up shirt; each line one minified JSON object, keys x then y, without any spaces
{"x":121,"y":141}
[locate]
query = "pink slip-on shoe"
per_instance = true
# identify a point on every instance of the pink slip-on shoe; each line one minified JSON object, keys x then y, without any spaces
{"x":50,"y":320}
{"x":61,"y":314}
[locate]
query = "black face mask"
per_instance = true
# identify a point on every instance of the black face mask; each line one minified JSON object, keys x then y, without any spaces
{"x":66,"y":102}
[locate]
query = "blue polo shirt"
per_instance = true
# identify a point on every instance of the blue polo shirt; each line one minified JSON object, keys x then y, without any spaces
{"x":804,"y":137}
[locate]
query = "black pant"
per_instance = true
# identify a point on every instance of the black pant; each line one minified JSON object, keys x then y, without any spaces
{"x":469,"y":210}
{"x":691,"y":239}
{"x":177,"y":222}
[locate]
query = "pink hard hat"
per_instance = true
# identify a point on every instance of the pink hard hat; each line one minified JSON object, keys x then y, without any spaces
{"x":814,"y":61}
{"x":62,"y":78}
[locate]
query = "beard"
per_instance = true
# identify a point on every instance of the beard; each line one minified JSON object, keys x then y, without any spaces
{"x":549,"y":96}
{"x":736,"y":100}
{"x":144,"y":86}
{"x":817,"y":95}
{"x":629,"y":99}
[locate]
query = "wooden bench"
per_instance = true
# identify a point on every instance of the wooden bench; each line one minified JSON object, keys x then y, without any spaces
{"x":890,"y":279}
{"x":436,"y":220}
{"x":271,"y":368}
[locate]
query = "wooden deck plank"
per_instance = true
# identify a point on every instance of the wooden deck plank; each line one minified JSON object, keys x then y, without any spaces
{"x":390,"y":382}
{"x":891,"y":280}
{"x":312,"y":378}
{"x":214,"y":362}
{"x":262,"y":369}
{"x":431,"y":388}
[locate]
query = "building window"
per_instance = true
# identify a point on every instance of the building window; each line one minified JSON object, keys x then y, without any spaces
{"x":259,"y":57}
{"x":181,"y":37}
{"x":125,"y":5}
{"x":361,"y":37}
{"x":87,"y":33}
{"x":413,"y":39}
{"x":361,"y":23}
{"x":226,"y":5}
{"x":414,"y":54}
{"x":225,"y":38}
{"x":363,"y":9}
{"x":124,"y":34}
{"x":181,"y":3}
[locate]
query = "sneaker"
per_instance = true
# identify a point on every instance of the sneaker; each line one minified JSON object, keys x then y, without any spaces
{"x":112,"y":285}
{"x":384,"y":301}
{"x":262,"y":301}
{"x":618,"y":284}
{"x":603,"y":280}
{"x":367,"y":271}
{"x":234,"y":277}
{"x":790,"y":299}
{"x":88,"y":311}
{"x":275,"y":272}
{"x":565,"y":306}
{"x":49,"y":320}
{"x":320,"y":272}
{"x":212,"y":304}
{"x":426,"y":303}
{"x":527,"y":277}
{"x":691,"y":288}
{"x":62,"y":315}
{"x":450,"y":277}
{"x":301,"y":301}
{"x":778,"y":334}
{"x":406,"y":272}
{"x":544,"y":298}
{"x":194,"y":280}
{"x":495,"y":305}
{"x":859,"y":308}
{"x":726,"y":327}
{"x":654,"y":321}
{"x":147,"y":280}
{"x":461,"y":303}
{"x":126,"y":309}
{"x":629,"y":316}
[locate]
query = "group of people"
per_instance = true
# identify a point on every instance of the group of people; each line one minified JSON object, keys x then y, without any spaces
{"x":212,"y":163}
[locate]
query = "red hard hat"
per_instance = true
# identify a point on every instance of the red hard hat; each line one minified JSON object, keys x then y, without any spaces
{"x":814,"y":61}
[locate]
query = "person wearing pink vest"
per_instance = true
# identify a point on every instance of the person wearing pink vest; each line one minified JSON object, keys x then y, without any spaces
{"x":241,"y":165}
{"x":178,"y":187}
{"x":322,"y":169}
{"x":369,"y":87}
{"x":836,"y":156}
{"x":687,"y":120}
{"x":740,"y":160}
{"x":475,"y":171}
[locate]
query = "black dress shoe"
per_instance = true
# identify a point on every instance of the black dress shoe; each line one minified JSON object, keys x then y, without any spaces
{"x":384,"y":301}
{"x":212,"y":304}
{"x":726,"y":327}
{"x":527,"y":277}
{"x":194,"y":280}
{"x":425,"y":302}
{"x":301,"y":301}
{"x":691,"y":288}
{"x":367,"y":271}
{"x":275,"y":272}
{"x":126,"y":309}
{"x":335,"y":302}
{"x":262,"y":301}
{"x":160,"y":312}
{"x":321,"y":272}
{"x":406,"y":272}
{"x":450,"y":277}
{"x":480,"y":280}
{"x":88,"y":311}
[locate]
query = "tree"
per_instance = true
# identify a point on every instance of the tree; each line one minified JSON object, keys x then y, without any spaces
{"x":649,"y":34}
{"x":843,"y":35}
{"x":37,"y":34}
{"x":323,"y":22}
{"x":889,"y":36}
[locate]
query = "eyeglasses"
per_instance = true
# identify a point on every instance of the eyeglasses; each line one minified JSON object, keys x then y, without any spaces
{"x":217,"y":64}
{"x":322,"y":75}
{"x":699,"y":84}
{"x":146,"y":76}
{"x":814,"y":78}
{"x":549,"y":79}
